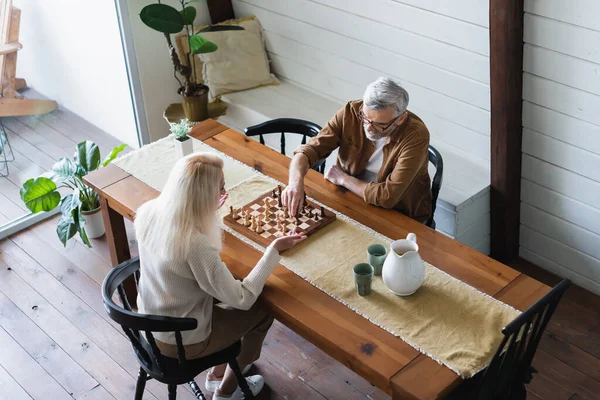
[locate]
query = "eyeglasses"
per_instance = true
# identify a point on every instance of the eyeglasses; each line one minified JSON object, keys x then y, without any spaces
{"x":378,"y":125}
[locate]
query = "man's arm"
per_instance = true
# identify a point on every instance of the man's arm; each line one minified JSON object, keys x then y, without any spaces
{"x":293,"y":195}
{"x":308,"y":155}
{"x":338,"y":177}
{"x":387,"y":194}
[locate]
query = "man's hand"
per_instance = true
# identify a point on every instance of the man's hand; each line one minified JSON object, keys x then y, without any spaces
{"x":292,"y":197}
{"x":336,"y":176}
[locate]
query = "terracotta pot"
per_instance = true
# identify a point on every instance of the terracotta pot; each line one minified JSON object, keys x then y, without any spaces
{"x":195,"y":107}
{"x":94,"y":226}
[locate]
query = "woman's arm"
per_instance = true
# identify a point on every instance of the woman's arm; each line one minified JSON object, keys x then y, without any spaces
{"x":215,"y":279}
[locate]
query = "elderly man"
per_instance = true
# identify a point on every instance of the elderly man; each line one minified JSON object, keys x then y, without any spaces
{"x":383,"y":153}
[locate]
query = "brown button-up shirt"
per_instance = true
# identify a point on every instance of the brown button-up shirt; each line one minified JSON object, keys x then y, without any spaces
{"x":403,"y":181}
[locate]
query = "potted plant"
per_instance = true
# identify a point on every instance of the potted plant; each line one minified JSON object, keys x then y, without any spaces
{"x":168,"y":20}
{"x":183,"y":143}
{"x":80,"y":209}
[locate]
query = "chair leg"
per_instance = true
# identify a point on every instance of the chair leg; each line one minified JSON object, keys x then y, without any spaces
{"x":196,"y":390}
{"x":235,"y":367}
{"x":141,"y":384}
{"x":172,"y":392}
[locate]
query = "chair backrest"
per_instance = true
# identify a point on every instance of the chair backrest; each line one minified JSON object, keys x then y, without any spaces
{"x":510,"y":369}
{"x":436,"y":159}
{"x":287,"y":125}
{"x":134,"y":323}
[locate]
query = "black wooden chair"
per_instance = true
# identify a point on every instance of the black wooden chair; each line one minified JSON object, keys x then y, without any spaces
{"x":153,"y":364}
{"x":510,"y":369}
{"x":287,"y":125}
{"x":436,"y":159}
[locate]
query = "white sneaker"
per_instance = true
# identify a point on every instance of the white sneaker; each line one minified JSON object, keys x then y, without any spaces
{"x":211,"y":386}
{"x":255,"y":382}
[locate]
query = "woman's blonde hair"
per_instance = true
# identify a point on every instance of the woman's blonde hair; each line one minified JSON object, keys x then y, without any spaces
{"x":185,"y":208}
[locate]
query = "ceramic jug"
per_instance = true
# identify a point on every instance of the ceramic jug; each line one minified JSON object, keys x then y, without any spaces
{"x":403,"y":269}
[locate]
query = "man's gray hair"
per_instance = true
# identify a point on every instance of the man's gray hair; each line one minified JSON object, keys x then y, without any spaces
{"x":383,"y":93}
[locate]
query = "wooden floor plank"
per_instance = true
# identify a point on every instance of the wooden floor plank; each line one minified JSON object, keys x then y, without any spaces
{"x":27,"y":372}
{"x":566,"y":376}
{"x":61,"y":275}
{"x":108,"y":339}
{"x":66,"y":334}
{"x":572,"y":355}
{"x":9,"y":388}
{"x":34,"y":122}
{"x":37,"y":140}
{"x":31,"y":152}
{"x":12,"y":205}
{"x":74,"y":379}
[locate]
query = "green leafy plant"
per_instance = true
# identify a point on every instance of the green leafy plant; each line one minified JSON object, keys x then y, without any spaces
{"x":168,"y":20}
{"x":41,"y":194}
{"x":180,"y":130}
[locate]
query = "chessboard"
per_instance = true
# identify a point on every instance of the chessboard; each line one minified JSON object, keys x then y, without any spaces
{"x":264,"y":219}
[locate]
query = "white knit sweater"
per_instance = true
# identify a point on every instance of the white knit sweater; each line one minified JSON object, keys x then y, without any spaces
{"x":186,"y":288}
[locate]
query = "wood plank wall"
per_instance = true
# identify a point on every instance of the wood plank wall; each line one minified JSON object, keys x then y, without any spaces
{"x":560,"y":196}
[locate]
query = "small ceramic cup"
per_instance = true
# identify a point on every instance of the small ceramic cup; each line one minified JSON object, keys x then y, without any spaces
{"x":376,"y":254}
{"x":363,"y":277}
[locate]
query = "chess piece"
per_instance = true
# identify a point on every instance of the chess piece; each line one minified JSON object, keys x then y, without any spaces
{"x":254,"y":226}
{"x":259,"y":228}
{"x":247,"y":218}
{"x":297,"y":221}
{"x":279,"y":227}
{"x":267,"y":204}
{"x":322,"y":212}
{"x":266,"y":215}
{"x":315,"y":215}
{"x":305,"y":203}
{"x":285,"y":213}
{"x":231,"y":211}
{"x":278,"y":190}
{"x":284,"y":229}
{"x":279,"y":204}
{"x":273,"y":194}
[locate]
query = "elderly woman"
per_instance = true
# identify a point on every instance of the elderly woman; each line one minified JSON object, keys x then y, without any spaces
{"x":179,"y":237}
{"x":383,"y":153}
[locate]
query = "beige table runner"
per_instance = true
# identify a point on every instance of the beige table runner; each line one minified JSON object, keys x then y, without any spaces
{"x":446,"y":319}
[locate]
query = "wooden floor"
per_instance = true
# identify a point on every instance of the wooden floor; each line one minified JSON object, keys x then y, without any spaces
{"x":37,"y":142}
{"x":56,"y":341}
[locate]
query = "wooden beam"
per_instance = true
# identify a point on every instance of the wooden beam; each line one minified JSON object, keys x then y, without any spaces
{"x":506,"y":87}
{"x":220,"y":10}
{"x":23,"y":107}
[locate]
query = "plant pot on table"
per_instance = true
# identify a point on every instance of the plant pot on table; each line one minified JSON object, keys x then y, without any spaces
{"x":184,"y":146}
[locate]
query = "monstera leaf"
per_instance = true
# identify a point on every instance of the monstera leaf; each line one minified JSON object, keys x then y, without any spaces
{"x":40,"y":194}
{"x":113,"y":154}
{"x":162,"y":18}
{"x":87,"y":156}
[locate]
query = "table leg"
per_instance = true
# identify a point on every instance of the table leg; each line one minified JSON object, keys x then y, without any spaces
{"x":118,"y":245}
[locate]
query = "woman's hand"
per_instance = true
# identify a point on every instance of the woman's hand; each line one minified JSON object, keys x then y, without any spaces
{"x":288,"y":241}
{"x":222,"y":200}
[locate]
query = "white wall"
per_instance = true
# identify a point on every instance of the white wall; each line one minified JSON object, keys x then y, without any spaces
{"x":560,"y":210}
{"x":159,"y":87}
{"x":72,"y":53}
{"x":440,"y":53}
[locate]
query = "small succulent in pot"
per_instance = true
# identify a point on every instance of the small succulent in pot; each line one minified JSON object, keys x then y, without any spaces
{"x":181,"y":129}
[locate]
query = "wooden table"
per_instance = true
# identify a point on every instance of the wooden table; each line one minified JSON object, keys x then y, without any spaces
{"x":381,"y":358}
